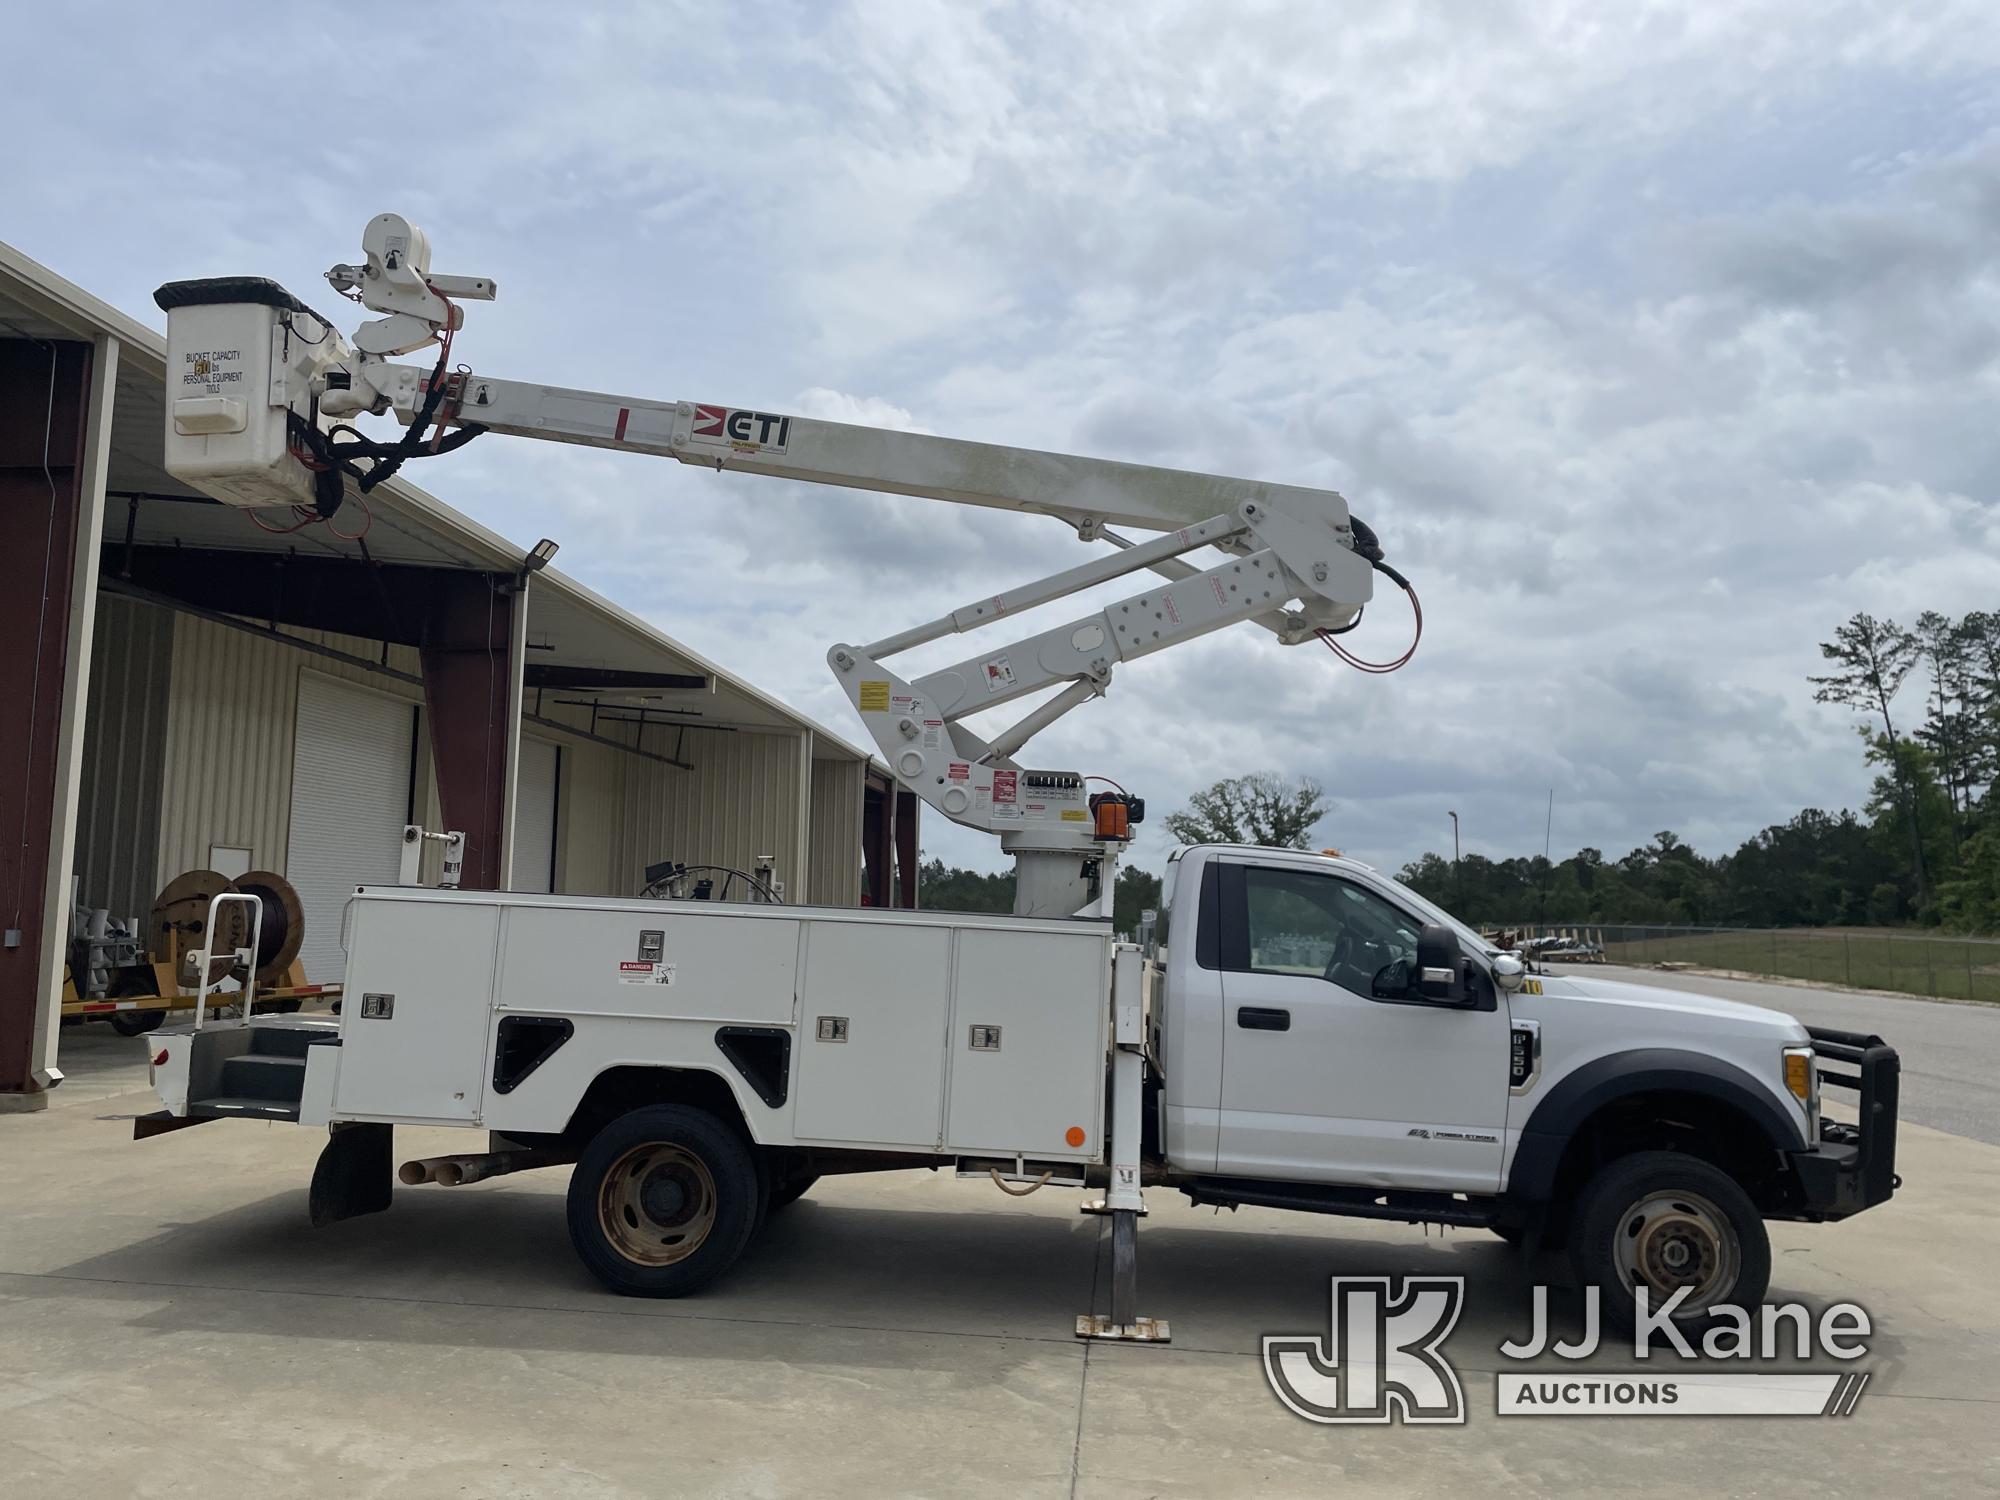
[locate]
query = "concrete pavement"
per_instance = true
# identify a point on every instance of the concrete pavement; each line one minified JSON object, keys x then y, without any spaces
{"x":169,"y":1326}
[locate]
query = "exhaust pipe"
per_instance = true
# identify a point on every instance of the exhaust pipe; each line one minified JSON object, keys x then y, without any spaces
{"x":456,"y":1171}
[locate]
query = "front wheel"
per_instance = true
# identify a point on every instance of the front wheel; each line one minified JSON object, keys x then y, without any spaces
{"x":662,"y":1201}
{"x":1664,"y":1221}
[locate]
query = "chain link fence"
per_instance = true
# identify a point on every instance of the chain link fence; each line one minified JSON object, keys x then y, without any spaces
{"x":1953,"y":968}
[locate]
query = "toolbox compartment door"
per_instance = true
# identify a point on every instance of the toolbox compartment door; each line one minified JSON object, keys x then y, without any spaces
{"x":413,"y":1020}
{"x":1030,"y":1011}
{"x":876,"y":1001}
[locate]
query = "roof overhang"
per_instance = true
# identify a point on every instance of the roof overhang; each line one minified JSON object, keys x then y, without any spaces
{"x":170,"y":540}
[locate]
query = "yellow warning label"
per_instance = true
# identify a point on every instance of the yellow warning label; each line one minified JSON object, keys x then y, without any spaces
{"x":874,"y":697}
{"x":1075,"y":815}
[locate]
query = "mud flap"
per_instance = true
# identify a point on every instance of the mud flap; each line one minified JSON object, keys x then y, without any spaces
{"x":355,"y":1174}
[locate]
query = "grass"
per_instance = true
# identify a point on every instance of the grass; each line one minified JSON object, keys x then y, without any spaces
{"x":1863,"y":958}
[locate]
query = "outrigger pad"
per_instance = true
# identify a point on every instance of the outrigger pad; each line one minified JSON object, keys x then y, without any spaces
{"x":356,"y":1174}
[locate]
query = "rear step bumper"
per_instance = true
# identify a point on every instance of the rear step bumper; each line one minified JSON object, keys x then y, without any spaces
{"x":201,"y":1111}
{"x":254,"y":1070}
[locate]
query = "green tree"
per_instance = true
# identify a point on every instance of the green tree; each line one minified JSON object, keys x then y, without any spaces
{"x":1949,"y":729}
{"x":1263,"y":808}
{"x":944,"y":888}
{"x":1134,"y":892}
{"x":1970,"y":901}
{"x":1912,"y":780}
{"x":1980,"y":632}
{"x":1872,"y":657}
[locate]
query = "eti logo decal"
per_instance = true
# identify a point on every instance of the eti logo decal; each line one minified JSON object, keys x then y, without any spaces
{"x":762,"y":431}
{"x":1379,"y":1361}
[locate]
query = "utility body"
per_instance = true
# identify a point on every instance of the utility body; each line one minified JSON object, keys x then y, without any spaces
{"x":1301,"y":1032}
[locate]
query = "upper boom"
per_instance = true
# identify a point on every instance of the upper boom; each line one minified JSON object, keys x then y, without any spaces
{"x":258,"y":418}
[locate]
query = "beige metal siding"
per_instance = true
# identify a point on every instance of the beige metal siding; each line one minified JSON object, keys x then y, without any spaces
{"x":740,"y":800}
{"x":592,"y":800}
{"x":124,"y":749}
{"x":226,"y":754}
{"x":350,"y":801}
{"x":228,"y":764}
{"x":836,"y":833}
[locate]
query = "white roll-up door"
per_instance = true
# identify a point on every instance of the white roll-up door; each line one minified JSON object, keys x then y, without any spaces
{"x":535,"y":816}
{"x":350,"y":801}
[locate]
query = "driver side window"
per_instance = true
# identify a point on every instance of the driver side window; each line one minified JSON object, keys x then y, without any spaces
{"x":1322,"y":927}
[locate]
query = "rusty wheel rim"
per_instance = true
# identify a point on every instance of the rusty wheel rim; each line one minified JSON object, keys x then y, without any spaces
{"x":657,"y":1204}
{"x":1671,"y":1240}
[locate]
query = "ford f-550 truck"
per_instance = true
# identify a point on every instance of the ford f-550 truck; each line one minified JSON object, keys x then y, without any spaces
{"x":1306,"y":1034}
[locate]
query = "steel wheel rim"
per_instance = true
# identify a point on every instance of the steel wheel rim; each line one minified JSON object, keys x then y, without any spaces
{"x":657,"y":1204}
{"x":1674,"y":1239}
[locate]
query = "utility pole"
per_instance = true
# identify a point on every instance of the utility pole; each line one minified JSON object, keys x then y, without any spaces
{"x":1548,"y":827}
{"x":1457,"y":886}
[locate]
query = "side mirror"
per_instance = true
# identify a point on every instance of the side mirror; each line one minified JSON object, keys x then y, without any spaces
{"x":1508,"y":971}
{"x":1440,"y":965}
{"x":1392,"y":981}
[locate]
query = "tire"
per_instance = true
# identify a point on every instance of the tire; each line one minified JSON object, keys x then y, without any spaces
{"x":1664,"y":1220}
{"x":662,"y":1201}
{"x":788,"y":1191}
{"x":136,"y":1022}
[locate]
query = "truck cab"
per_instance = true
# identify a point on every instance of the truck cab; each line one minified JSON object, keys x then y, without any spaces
{"x":1301,"y":1045}
{"x":1333,"y":1041}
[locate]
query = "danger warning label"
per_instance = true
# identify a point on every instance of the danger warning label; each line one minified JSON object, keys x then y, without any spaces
{"x":1006,"y":786}
{"x":645,"y":973}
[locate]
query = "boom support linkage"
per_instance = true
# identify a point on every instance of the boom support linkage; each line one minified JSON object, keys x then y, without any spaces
{"x":1291,"y":561}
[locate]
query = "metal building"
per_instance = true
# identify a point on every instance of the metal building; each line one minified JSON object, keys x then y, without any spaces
{"x":182,"y":689}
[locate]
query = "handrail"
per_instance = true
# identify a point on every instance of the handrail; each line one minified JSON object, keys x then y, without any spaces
{"x":205,"y":957}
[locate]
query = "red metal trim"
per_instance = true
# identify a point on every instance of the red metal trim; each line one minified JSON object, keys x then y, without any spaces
{"x":875,"y":846}
{"x":906,"y":849}
{"x":466,"y":678}
{"x":44,"y":396}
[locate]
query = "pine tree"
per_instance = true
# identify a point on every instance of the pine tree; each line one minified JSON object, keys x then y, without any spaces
{"x":1873,"y":657}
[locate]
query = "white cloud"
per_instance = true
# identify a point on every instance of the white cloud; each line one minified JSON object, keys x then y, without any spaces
{"x":1653,"y":339}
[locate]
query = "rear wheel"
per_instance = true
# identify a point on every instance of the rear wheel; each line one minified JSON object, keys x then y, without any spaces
{"x":662,"y":1201}
{"x":136,"y":1022}
{"x":1667,"y":1222}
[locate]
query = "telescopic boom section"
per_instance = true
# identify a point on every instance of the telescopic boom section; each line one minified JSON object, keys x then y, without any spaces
{"x":1073,"y":489}
{"x":270,"y":430}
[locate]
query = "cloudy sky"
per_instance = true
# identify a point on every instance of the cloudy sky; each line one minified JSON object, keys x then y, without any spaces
{"x":1652,"y":339}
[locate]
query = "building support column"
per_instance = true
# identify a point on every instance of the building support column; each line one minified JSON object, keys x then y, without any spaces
{"x":874,"y":842}
{"x":55,"y":425}
{"x":471,"y":676}
{"x":800,"y":891}
{"x":517,"y":671}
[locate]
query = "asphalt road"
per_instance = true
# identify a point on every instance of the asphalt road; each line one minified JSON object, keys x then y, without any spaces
{"x":1950,"y":1053}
